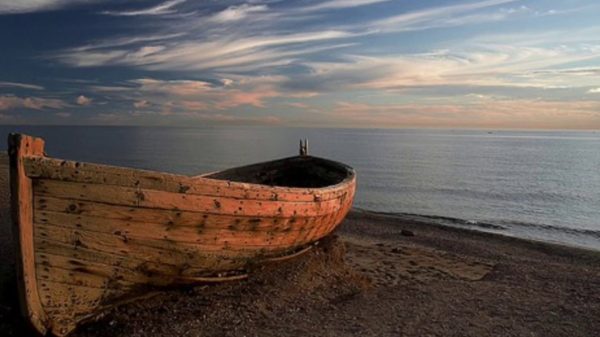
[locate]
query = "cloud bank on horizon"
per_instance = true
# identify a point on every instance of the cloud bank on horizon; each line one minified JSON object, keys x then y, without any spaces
{"x":333,"y":63}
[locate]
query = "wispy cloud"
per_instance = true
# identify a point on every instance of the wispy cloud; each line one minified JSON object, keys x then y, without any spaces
{"x":236,"y":13}
{"x":119,"y":42}
{"x":339,"y":4}
{"x":20,"y":85}
{"x":8,"y":102}
{"x":163,"y":8}
{"x":141,"y":104}
{"x":437,"y":17}
{"x":27,"y":6}
{"x":298,"y":105}
{"x":481,"y":64}
{"x":218,"y":42}
{"x":223,"y":59}
{"x":220,"y":54}
{"x":499,"y":113}
{"x":185,"y":96}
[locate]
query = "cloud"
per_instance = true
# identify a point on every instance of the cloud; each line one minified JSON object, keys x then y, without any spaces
{"x":233,"y":57}
{"x":201,"y":95}
{"x":466,"y":65}
{"x":20,"y":85}
{"x":14,"y":102}
{"x":217,"y":42}
{"x":246,"y":120}
{"x":236,"y":13}
{"x":126,"y":41}
{"x":141,"y":104}
{"x":163,"y":8}
{"x":339,"y":4}
{"x":216,"y":53}
{"x":236,"y":120}
{"x":110,"y":88}
{"x":499,"y":113}
{"x":63,"y":114}
{"x":437,"y":17}
{"x":298,"y":105}
{"x":27,"y":6}
{"x":183,"y":118}
{"x":82,"y":100}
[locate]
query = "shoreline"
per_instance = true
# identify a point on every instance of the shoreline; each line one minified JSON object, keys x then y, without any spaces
{"x":478,"y":228}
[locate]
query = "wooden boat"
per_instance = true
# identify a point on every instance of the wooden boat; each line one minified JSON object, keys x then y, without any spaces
{"x":92,"y":236}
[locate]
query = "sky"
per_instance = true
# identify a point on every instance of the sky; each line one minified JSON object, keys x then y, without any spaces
{"x":526,"y":64}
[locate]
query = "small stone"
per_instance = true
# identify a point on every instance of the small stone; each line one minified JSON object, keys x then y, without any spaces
{"x":406,"y":232}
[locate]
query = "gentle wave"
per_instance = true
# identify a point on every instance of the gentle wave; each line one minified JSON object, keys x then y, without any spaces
{"x":496,"y":226}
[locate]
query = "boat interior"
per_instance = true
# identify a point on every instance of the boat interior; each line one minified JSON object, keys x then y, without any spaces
{"x":299,"y":171}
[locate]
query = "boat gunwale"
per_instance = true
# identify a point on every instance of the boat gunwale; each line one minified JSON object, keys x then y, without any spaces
{"x":222,"y":183}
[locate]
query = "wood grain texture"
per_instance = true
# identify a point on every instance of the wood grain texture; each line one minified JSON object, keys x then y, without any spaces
{"x":72,"y":171}
{"x":142,"y":198}
{"x":197,"y":234}
{"x":99,"y":235}
{"x":172,"y":218}
{"x":19,"y":148}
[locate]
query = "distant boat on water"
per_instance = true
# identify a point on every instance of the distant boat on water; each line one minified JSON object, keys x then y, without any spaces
{"x":93,"y":236}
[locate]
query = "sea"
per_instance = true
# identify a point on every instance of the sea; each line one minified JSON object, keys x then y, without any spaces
{"x":540,"y":185}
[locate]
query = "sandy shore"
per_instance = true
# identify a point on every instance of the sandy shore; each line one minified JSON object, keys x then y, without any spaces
{"x":383,"y":275}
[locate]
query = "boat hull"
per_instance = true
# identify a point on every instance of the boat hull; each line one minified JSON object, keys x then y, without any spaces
{"x":93,"y":236}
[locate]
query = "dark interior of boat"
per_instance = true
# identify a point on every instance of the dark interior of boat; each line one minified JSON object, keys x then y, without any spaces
{"x":300,"y":171}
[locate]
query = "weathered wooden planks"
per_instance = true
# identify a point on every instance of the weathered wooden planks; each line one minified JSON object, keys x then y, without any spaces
{"x":162,"y":249}
{"x":153,"y":272}
{"x":68,"y":304}
{"x":171,"y":218}
{"x":125,"y":196}
{"x":20,"y":147}
{"x":71,"y":171}
{"x":195,"y":234}
{"x":48,"y":270}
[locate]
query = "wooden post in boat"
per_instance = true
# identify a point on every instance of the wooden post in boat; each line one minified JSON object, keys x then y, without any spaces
{"x":304,"y":147}
{"x":20,"y":146}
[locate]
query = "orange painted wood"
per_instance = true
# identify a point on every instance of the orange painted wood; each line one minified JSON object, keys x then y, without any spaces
{"x":169,"y":217}
{"x":142,"y":198}
{"x":72,"y":171}
{"x":20,"y":147}
{"x":189,"y":234}
{"x":155,"y":272}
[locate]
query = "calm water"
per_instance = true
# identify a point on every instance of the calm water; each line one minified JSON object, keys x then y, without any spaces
{"x":541,"y":185}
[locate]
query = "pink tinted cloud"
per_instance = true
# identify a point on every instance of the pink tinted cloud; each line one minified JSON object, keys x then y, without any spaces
{"x":141,"y":104}
{"x":82,"y":100}
{"x":200,"y":95}
{"x":494,"y":113}
{"x":14,"y":102}
{"x":298,"y":105}
{"x":254,"y":98}
{"x":226,"y":118}
{"x":195,"y":106}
